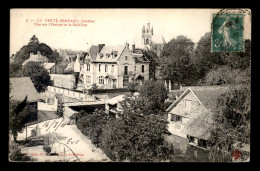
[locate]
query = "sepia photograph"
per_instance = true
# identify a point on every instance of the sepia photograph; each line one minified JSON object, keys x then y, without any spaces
{"x":130,"y":85}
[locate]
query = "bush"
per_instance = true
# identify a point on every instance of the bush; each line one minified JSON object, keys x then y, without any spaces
{"x":132,"y":87}
{"x":130,"y":138}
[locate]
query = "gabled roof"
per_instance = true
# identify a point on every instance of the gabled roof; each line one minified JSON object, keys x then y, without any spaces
{"x":70,"y":66}
{"x":108,"y":50}
{"x":206,"y":95}
{"x":48,"y":65}
{"x":209,"y":96}
{"x":22,"y":87}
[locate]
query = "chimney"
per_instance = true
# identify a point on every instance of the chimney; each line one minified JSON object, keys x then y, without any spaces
{"x":100,"y":46}
{"x":133,"y":48}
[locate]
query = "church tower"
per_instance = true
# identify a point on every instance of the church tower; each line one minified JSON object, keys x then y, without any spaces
{"x":147,"y":34}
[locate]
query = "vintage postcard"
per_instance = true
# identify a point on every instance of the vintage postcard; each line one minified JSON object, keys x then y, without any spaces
{"x":130,"y":85}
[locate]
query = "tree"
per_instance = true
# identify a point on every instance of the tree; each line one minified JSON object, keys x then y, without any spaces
{"x":34,"y":40}
{"x":151,"y":99}
{"x":133,"y":87}
{"x":232,"y":118}
{"x":39,"y":75}
{"x":154,"y":62}
{"x":176,"y":64}
{"x":14,"y":69}
{"x":17,"y":116}
{"x":33,"y":47}
{"x":205,"y":60}
{"x":132,"y":137}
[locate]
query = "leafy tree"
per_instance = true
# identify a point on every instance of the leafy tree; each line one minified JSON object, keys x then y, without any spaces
{"x":154,"y":62}
{"x":232,"y":118}
{"x":34,"y":40}
{"x":176,"y":63}
{"x":133,"y":87}
{"x":39,"y":75}
{"x":14,"y":69}
{"x":151,"y":98}
{"x":132,"y":137}
{"x":205,"y":60}
{"x":34,"y":46}
{"x":18,"y":114}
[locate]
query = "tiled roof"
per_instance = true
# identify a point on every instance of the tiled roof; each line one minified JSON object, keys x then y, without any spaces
{"x":70,"y":66}
{"x":22,"y":87}
{"x":208,"y":95}
{"x":93,"y":51}
{"x":108,"y":50}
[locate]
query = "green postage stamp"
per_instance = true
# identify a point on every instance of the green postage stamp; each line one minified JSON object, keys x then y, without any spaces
{"x":227,"y":32}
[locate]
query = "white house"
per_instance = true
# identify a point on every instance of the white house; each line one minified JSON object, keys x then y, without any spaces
{"x":191,"y":115}
{"x":113,"y":66}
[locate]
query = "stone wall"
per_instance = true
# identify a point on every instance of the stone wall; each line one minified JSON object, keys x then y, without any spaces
{"x":65,"y":81}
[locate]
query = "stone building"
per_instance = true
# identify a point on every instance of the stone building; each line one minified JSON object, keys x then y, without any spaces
{"x":112,"y":67}
{"x":151,"y":41}
{"x":191,"y":115}
{"x":36,"y":58}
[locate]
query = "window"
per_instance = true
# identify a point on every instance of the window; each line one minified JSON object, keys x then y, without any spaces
{"x":147,"y":41}
{"x":126,"y":58}
{"x":105,"y":68}
{"x":88,"y":67}
{"x":88,"y":79}
{"x":172,"y":117}
{"x":135,"y":68}
{"x":142,"y":68}
{"x":125,"y":80}
{"x":101,"y":55}
{"x":100,"y":80}
{"x":126,"y":70}
{"x":178,"y":118}
{"x":99,"y":67}
{"x":112,"y":69}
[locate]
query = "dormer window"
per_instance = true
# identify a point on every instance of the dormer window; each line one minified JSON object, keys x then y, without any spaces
{"x":114,"y":53}
{"x":126,"y":58}
{"x":108,"y":55}
{"x":101,"y":55}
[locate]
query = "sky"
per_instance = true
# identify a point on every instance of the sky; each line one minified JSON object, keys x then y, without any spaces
{"x":110,"y":27}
